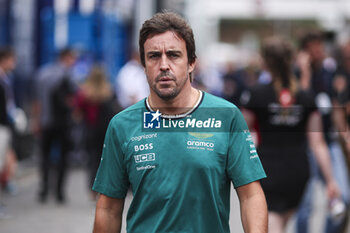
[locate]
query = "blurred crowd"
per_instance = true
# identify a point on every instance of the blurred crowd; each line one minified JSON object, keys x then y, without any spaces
{"x":68,"y":118}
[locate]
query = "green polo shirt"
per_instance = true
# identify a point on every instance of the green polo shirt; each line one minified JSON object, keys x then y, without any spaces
{"x":180,"y":169}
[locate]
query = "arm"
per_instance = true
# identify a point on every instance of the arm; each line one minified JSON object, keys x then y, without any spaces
{"x":253,"y":208}
{"x":321,"y":152}
{"x":339,"y":115}
{"x":108,"y":216}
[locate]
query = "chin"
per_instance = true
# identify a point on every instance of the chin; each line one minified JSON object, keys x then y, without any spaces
{"x":167,"y":95}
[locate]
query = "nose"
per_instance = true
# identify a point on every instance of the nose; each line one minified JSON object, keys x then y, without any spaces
{"x":164,"y":64}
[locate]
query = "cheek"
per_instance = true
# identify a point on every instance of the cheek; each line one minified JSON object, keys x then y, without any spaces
{"x":150,"y":74}
{"x":151,"y":67}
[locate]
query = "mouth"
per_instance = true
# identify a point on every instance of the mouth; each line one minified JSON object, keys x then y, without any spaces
{"x":165,"y":80}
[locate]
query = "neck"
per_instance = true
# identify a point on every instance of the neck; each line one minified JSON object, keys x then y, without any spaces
{"x":184,"y":101}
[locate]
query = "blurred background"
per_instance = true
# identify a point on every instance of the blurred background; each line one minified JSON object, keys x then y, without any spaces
{"x":228,"y":37}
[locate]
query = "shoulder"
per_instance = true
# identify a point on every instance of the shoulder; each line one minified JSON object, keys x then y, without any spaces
{"x":126,"y":123}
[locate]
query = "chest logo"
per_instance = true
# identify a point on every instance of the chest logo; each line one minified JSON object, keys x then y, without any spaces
{"x":145,"y":157}
{"x":147,"y":146}
{"x":200,"y":145}
{"x":151,"y":120}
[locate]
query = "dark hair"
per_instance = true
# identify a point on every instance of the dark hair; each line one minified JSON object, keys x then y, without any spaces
{"x":310,"y":37}
{"x":66,"y":52}
{"x":6,"y":52}
{"x":163,"y":22}
{"x":278,"y":54}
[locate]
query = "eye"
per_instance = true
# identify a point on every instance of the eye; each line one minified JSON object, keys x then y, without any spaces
{"x":153,"y":55}
{"x":173,"y":54}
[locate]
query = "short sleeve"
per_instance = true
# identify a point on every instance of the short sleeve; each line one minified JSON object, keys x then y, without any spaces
{"x":244,"y":164}
{"x":111,"y":178}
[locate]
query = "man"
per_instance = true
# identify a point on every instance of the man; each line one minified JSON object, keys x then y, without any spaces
{"x":180,"y":179}
{"x":341,"y":99}
{"x":7,"y":65}
{"x":4,"y":120}
{"x":7,"y":62}
{"x":51,"y":112}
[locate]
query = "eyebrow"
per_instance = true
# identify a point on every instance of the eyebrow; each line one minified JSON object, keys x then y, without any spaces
{"x":156,"y":52}
{"x":152,"y":53}
{"x":177,"y":52}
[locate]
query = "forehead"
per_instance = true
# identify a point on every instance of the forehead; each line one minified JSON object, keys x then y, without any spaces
{"x":165,"y":41}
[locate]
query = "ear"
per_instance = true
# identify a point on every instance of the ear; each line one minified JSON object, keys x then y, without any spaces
{"x":191,"y":67}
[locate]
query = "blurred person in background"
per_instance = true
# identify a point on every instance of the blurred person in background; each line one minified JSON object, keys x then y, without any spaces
{"x":287,"y":121}
{"x":131,"y":83}
{"x":237,"y":80}
{"x":5,"y":131}
{"x":316,"y":71}
{"x":341,"y":99}
{"x":341,"y":116}
{"x":233,"y":83}
{"x":7,"y":65}
{"x":211,"y":79}
{"x":52,"y":109}
{"x":96,"y":104}
{"x":197,"y":81}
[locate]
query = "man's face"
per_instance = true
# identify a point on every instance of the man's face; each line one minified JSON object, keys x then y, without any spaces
{"x":9,"y":63}
{"x":316,"y":50}
{"x":70,"y":60}
{"x":166,"y":64}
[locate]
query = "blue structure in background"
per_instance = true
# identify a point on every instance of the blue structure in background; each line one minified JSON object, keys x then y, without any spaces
{"x":3,"y":28}
{"x":99,"y":37}
{"x":46,"y":42}
{"x":114,"y":44}
{"x":4,"y":22}
{"x":81,"y":30}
